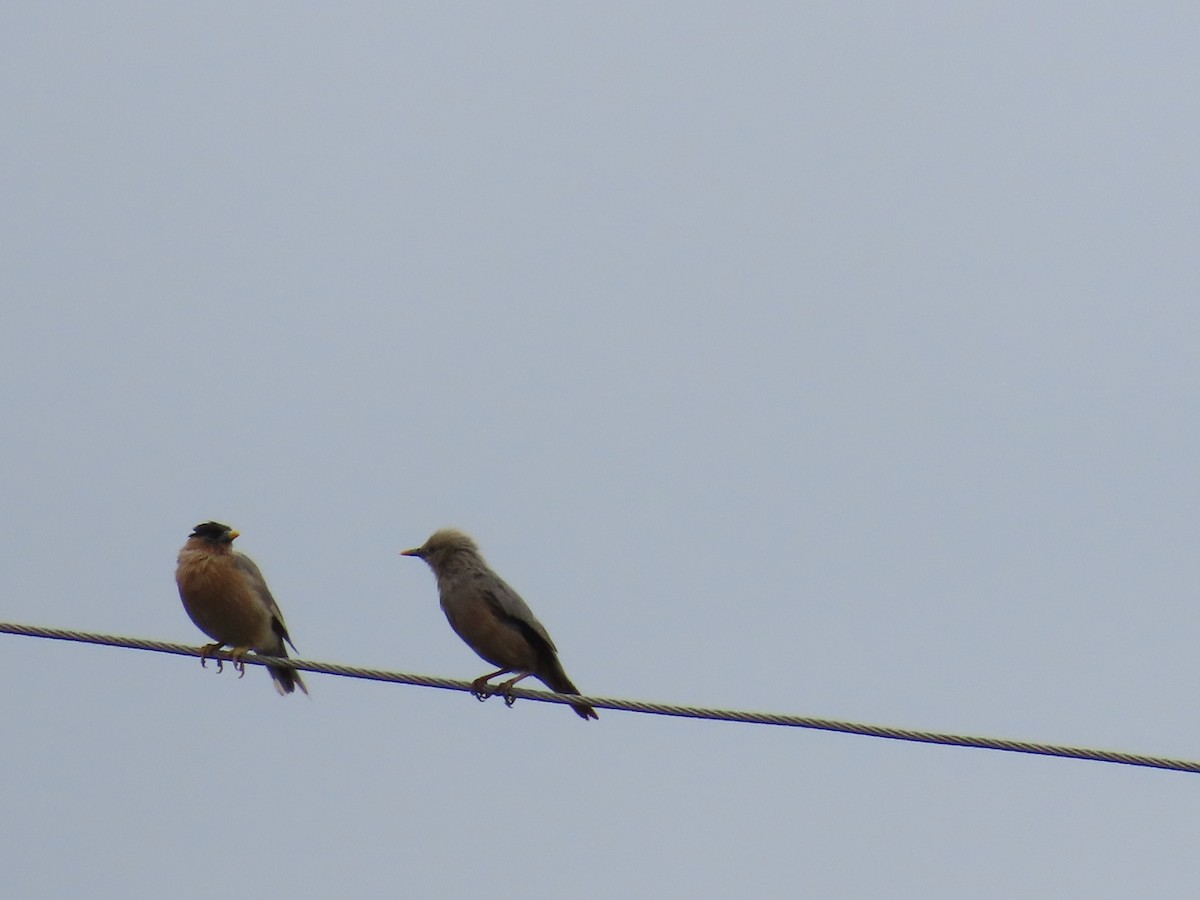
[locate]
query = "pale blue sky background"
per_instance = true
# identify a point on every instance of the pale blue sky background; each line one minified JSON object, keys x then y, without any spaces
{"x":795,"y":357}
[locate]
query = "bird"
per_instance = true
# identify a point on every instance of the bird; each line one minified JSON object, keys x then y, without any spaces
{"x":226,"y":596}
{"x":492,"y":619}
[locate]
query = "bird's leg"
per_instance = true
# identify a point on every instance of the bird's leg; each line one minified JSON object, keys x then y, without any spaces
{"x":238,"y":654}
{"x":208,"y":650}
{"x":480,"y":689}
{"x":505,"y":689}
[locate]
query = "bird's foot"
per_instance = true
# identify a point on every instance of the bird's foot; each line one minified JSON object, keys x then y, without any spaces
{"x":505,"y":690}
{"x":480,"y":689}
{"x":207,"y":652}
{"x":238,"y":655}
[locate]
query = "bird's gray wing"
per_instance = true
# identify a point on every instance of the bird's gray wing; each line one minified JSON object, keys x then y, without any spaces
{"x":258,"y":584}
{"x":510,"y":603}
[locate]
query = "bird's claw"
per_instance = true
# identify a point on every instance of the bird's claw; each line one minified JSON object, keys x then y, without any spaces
{"x":506,"y":691}
{"x":238,"y":656}
{"x":209,"y":651}
{"x":480,"y":689}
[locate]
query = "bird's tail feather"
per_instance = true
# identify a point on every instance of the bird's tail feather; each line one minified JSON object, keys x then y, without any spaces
{"x":286,"y":680}
{"x":556,"y":679}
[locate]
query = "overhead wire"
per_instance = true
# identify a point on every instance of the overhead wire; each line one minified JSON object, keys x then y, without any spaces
{"x":634,"y":706}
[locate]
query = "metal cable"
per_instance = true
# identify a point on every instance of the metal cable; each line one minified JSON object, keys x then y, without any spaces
{"x":637,"y":706}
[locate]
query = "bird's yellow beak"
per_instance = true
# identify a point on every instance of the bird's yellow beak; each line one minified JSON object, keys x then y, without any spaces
{"x":233,"y":534}
{"x":415,"y":551}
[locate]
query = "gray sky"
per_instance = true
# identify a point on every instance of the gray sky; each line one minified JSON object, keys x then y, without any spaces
{"x":803,"y":358}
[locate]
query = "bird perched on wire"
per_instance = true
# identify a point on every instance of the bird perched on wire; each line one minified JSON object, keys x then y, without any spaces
{"x":227,"y":597}
{"x":493,"y":619}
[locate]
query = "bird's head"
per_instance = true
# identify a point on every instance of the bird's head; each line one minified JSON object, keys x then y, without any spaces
{"x":442,"y":545}
{"x":214,"y":533}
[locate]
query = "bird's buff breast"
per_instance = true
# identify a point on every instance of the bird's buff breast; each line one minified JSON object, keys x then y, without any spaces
{"x":217,"y":599}
{"x":490,"y":636}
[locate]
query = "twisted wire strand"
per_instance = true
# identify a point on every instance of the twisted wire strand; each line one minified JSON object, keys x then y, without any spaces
{"x":636,"y":706}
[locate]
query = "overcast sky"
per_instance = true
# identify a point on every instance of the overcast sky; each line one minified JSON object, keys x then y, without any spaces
{"x":827,"y":359}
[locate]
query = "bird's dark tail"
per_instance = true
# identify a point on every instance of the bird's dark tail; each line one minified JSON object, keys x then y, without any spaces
{"x":556,"y":679}
{"x":286,"y":680}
